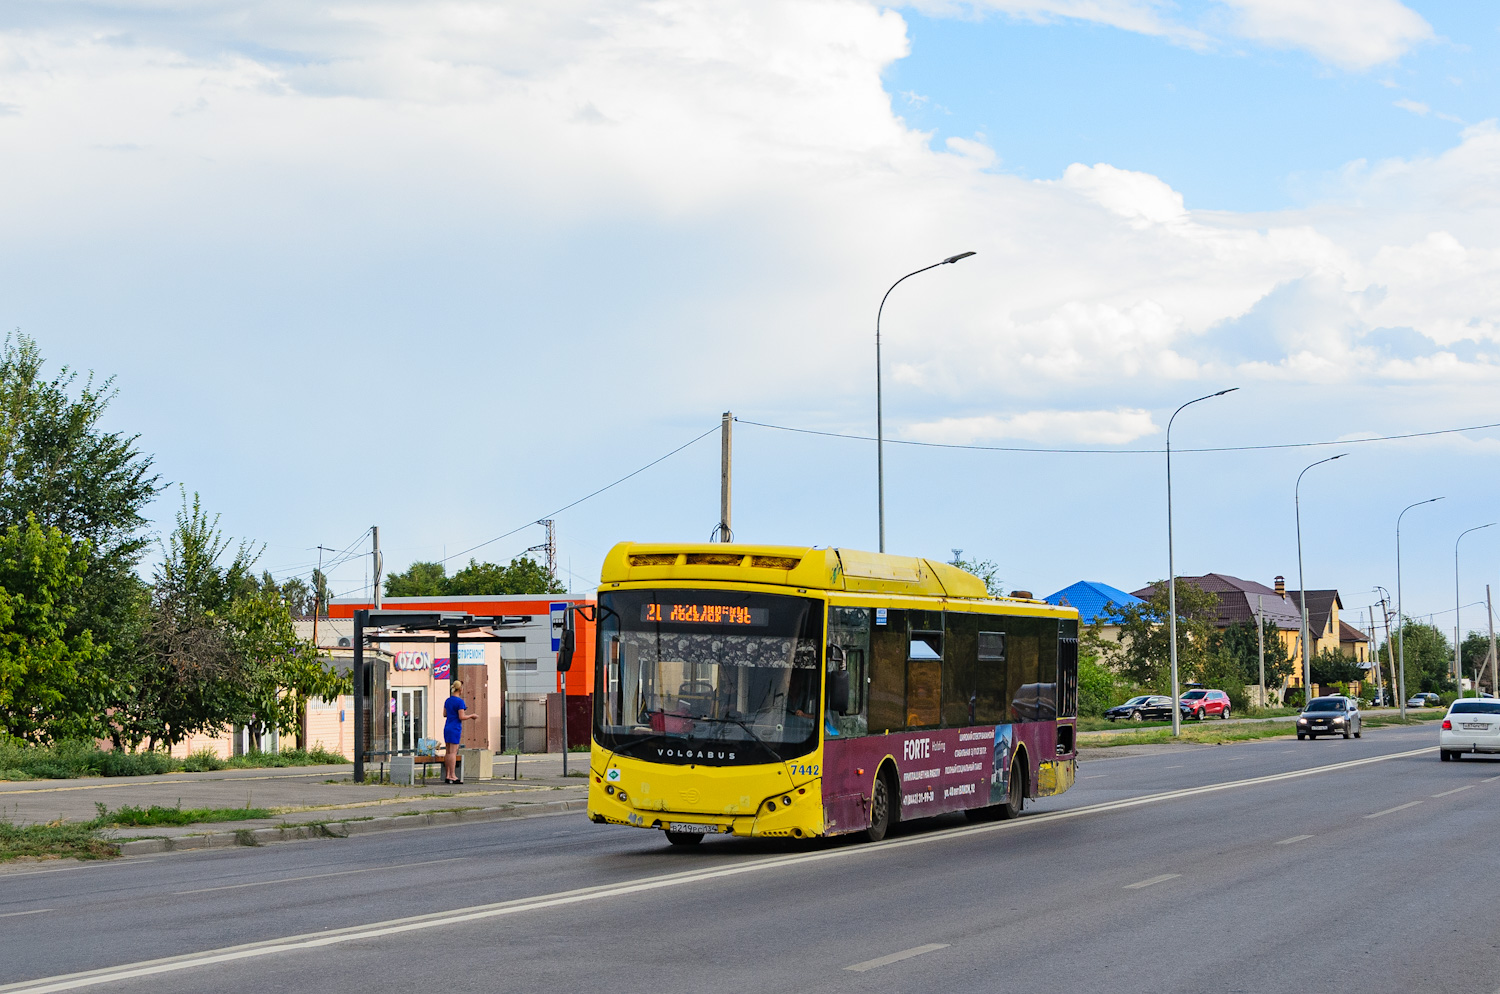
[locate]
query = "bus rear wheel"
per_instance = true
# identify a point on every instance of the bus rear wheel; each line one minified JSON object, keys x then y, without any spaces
{"x":880,"y":810}
{"x":1015,"y":794}
{"x":684,"y":838}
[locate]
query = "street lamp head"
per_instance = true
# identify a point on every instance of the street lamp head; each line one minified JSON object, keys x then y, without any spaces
{"x":1223,"y":392}
{"x":955,"y":258}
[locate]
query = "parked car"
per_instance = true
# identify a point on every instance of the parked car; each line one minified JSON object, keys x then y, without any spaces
{"x":1382,"y":699}
{"x":1424,"y":701}
{"x":1330,"y":716}
{"x":1202,"y":703}
{"x":1147,"y":707}
{"x":1471,"y":725}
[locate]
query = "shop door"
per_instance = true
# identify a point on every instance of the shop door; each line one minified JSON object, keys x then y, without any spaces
{"x":408,"y":718}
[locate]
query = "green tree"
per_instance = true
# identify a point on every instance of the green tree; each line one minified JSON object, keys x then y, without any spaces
{"x":1475,"y":653}
{"x":524,"y":575}
{"x":58,"y":463}
{"x":982,"y":568}
{"x":41,"y":570}
{"x":419,"y":580}
{"x":1099,"y":688}
{"x":1429,"y":657}
{"x":1239,"y":643}
{"x":1331,"y":666}
{"x":1142,"y":654}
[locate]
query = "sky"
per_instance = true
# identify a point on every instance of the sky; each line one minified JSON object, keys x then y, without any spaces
{"x":447,"y":268}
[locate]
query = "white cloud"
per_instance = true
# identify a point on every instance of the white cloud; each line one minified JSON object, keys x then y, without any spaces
{"x":1084,"y":427}
{"x":1415,"y":106}
{"x":1353,"y":35}
{"x":755,"y":142}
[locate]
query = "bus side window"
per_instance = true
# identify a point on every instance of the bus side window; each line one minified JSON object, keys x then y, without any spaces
{"x":991,"y":685}
{"x":887,"y":693}
{"x":924,"y":679}
{"x":960,"y":670}
{"x":1024,"y":667}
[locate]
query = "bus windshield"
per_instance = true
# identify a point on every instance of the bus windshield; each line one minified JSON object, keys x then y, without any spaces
{"x":713,"y":677}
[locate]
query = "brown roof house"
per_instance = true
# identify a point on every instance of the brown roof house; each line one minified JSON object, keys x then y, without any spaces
{"x":1241,"y":600}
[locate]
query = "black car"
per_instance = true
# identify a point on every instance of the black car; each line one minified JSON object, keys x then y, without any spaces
{"x":1147,"y":707}
{"x":1330,"y":716}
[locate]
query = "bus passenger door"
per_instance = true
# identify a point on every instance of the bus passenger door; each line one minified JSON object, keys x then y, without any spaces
{"x":849,"y":653}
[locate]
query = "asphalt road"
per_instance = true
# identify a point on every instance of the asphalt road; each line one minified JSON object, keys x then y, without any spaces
{"x":1246,"y":876}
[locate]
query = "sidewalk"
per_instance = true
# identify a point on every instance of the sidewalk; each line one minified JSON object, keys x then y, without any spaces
{"x":315,"y":800}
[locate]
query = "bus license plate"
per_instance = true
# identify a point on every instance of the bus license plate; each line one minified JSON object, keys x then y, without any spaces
{"x":695,"y":829}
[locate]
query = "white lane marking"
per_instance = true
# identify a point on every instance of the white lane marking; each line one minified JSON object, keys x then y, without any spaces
{"x":1152,"y":882}
{"x":1177,"y":767}
{"x":1295,"y":838}
{"x":1399,"y":807}
{"x":1092,"y":776}
{"x":447,"y":919}
{"x":1488,"y":779}
{"x":18,"y":914}
{"x":314,"y":876}
{"x":1455,"y":790}
{"x":871,"y":964}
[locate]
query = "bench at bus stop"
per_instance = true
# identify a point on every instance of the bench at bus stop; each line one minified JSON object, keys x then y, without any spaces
{"x":404,"y":765}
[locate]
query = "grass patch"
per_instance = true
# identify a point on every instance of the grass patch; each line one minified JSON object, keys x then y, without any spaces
{"x":54,"y":840}
{"x":67,"y":760}
{"x":1211,"y":733}
{"x":131,"y":816}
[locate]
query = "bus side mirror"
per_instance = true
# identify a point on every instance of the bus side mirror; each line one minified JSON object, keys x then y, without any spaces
{"x":838,"y":690}
{"x":566,"y":644}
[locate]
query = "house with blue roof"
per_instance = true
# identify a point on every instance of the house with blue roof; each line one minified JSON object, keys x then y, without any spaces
{"x":1090,"y":598}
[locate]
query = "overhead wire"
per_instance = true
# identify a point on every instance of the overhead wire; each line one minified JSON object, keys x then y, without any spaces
{"x":1061,"y":451}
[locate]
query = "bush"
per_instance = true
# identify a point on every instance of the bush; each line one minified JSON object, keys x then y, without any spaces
{"x":1098,"y":687}
{"x":202,"y":761}
{"x":130,"y":764}
{"x":1294,"y":697}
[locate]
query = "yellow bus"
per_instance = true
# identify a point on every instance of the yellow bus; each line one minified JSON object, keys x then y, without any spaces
{"x":800,"y":692}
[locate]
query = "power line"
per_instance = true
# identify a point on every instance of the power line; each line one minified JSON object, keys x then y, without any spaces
{"x":1111,"y":452}
{"x":596,"y":493}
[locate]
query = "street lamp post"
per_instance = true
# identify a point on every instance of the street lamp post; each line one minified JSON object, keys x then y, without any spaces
{"x":1172,"y":565}
{"x":1302,"y":583}
{"x":879,"y":406}
{"x":1400,"y":614}
{"x":1458,"y":669}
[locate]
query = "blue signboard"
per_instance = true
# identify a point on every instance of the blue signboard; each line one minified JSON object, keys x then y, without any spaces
{"x":559,"y":611}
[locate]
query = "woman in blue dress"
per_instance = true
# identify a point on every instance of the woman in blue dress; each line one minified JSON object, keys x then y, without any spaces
{"x":455,"y":713}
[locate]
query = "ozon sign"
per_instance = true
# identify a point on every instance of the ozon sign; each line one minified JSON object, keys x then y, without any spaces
{"x":413,"y":660}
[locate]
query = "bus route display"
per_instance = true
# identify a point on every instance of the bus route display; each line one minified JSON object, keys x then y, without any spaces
{"x":728,"y":615}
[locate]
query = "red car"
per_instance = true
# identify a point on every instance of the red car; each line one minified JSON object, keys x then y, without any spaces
{"x":1202,"y":703}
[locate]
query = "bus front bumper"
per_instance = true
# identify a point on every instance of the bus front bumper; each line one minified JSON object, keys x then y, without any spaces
{"x":774,"y":818}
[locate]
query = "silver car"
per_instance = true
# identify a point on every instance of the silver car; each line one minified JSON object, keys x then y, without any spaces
{"x":1330,"y":716}
{"x":1471,"y":725}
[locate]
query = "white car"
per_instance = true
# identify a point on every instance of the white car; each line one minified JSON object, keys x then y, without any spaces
{"x":1471,"y":725}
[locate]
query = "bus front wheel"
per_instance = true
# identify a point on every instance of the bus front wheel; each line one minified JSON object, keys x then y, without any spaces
{"x":880,"y":810}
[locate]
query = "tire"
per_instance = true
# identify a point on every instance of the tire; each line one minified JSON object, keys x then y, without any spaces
{"x":1359,"y":733}
{"x":1300,"y":736}
{"x":880,"y":810}
{"x":1445,"y":755}
{"x":1135,"y":716}
{"x":684,"y":838}
{"x":1224,"y":715}
{"x":1347,"y":733}
{"x":1202,"y":714}
{"x":1015,"y":795}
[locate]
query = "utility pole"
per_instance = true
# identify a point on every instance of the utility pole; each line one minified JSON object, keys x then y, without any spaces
{"x":1390,"y":652}
{"x":726,"y":476}
{"x":1490,"y":606}
{"x":549,"y":547}
{"x":1260,"y":642}
{"x":377,"y":565}
{"x":1375,"y":654}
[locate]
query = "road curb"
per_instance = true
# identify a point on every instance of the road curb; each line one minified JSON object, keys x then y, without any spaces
{"x":344,"y":829}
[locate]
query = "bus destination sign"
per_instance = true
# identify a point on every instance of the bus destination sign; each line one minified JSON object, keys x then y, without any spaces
{"x":729,"y":615}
